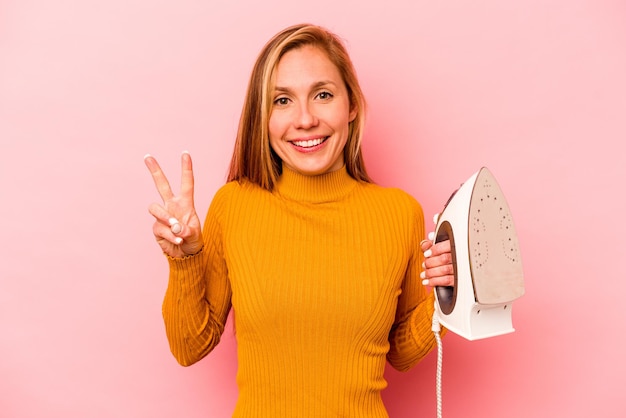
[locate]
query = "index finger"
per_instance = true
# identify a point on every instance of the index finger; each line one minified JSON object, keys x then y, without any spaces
{"x":160,"y":181}
{"x":441,"y":247}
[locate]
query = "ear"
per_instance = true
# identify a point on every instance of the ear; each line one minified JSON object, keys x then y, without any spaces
{"x":353,"y":112}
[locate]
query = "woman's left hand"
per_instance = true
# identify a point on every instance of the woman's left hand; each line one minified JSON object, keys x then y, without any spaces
{"x":438,"y":269}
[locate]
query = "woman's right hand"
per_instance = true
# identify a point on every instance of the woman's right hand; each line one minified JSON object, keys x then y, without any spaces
{"x":177,"y":228}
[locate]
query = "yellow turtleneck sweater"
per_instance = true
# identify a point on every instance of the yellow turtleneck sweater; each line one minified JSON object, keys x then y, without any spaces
{"x":323,"y":277}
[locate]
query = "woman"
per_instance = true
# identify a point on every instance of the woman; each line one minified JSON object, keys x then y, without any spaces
{"x":321,"y":266}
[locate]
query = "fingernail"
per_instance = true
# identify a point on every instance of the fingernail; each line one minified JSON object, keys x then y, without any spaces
{"x":185,"y":152}
{"x":424,"y":242}
{"x":425,"y":282}
{"x":172,"y":221}
{"x":431,"y":236}
{"x":435,"y":218}
{"x":146,"y":156}
{"x":423,"y":275}
{"x":423,"y":265}
{"x":178,"y":240}
{"x":428,"y":253}
{"x":176,"y":228}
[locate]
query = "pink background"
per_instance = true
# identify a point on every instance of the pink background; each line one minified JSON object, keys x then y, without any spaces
{"x":534,"y":90}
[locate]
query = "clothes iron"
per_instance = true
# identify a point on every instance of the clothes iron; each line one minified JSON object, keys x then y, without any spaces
{"x":488,"y":274}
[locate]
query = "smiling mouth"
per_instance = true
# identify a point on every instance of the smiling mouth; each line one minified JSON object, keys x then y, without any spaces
{"x":310,"y":143}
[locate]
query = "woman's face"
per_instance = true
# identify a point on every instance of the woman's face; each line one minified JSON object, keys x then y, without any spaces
{"x":310,"y":114}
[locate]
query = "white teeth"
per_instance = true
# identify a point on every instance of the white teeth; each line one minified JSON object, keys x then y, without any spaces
{"x":309,"y":143}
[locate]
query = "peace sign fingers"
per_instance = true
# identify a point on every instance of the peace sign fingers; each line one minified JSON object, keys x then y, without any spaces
{"x":177,"y":227}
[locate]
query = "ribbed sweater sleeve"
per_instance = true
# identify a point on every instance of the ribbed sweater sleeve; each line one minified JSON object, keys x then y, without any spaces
{"x":411,"y":337}
{"x":198,"y":295}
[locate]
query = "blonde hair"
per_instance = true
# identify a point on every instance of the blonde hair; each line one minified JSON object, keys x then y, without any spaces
{"x":253,"y":158}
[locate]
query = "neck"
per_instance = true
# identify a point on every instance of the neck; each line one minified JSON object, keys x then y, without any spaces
{"x":320,"y":188}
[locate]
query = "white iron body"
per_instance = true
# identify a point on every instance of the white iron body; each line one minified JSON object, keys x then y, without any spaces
{"x":486,"y":258}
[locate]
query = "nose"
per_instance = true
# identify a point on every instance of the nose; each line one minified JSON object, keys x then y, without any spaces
{"x":306,"y":118}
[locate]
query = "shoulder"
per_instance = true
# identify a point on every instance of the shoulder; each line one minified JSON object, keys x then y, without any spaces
{"x":229,"y":194}
{"x":236,"y":193}
{"x":236,"y":189}
{"x":396,"y":210}
{"x":226,"y":191}
{"x":394,"y":197}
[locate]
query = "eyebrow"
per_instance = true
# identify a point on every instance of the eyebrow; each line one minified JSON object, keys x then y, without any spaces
{"x":315,"y":85}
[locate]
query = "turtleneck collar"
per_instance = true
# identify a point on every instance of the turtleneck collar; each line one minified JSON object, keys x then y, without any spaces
{"x":327,"y":187}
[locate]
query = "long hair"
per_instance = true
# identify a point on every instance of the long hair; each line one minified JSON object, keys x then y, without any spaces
{"x":253,"y":158}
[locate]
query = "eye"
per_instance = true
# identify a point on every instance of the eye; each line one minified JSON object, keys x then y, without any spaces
{"x":325,"y":95}
{"x":281,"y":101}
